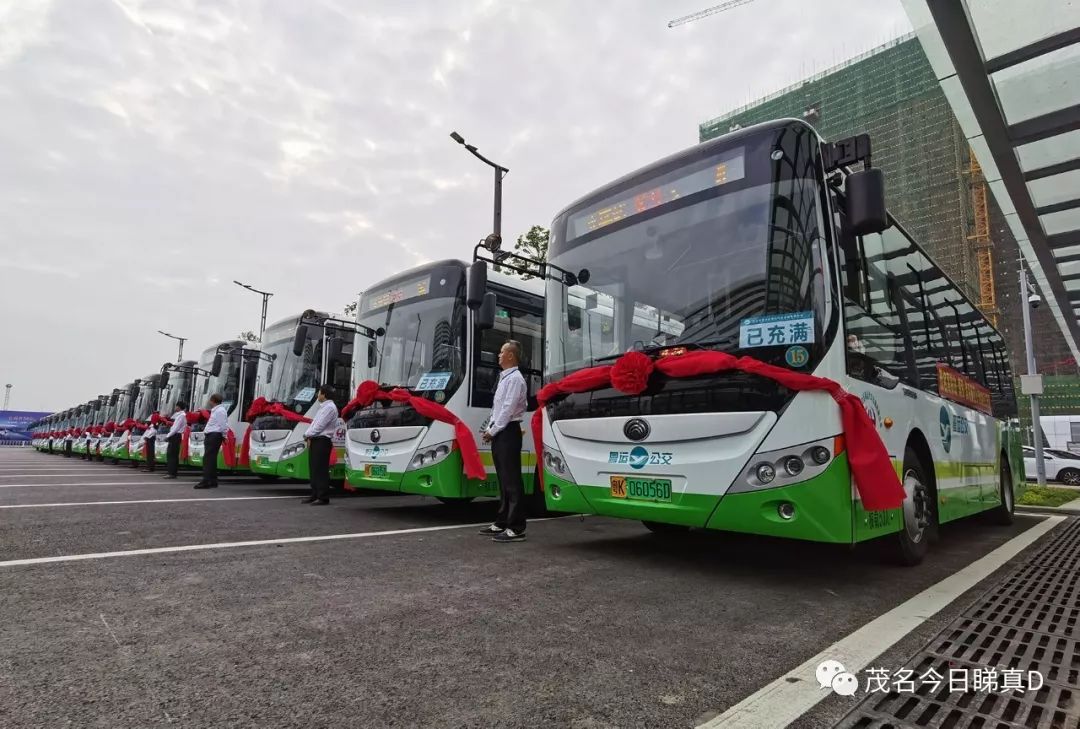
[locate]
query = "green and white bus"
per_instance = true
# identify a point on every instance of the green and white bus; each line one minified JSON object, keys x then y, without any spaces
{"x":764,"y":244}
{"x":429,"y":342}
{"x":299,"y":354}
{"x":177,"y":384}
{"x":230,"y":369}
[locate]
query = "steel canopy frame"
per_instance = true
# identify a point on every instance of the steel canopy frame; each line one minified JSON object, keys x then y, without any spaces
{"x":955,"y":26}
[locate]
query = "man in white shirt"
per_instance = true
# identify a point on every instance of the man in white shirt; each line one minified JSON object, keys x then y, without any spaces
{"x":213,"y":434}
{"x":504,"y":434}
{"x":319,"y":437}
{"x":146,"y":446}
{"x":174,"y":438}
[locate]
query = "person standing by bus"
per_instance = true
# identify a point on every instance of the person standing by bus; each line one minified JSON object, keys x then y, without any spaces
{"x":504,"y":435}
{"x":320,"y":443}
{"x":213,"y":435}
{"x":174,"y":438}
{"x":149,"y":438}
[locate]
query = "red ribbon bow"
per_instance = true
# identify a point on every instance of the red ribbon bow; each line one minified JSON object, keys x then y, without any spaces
{"x":368,"y":392}
{"x":875,"y":478}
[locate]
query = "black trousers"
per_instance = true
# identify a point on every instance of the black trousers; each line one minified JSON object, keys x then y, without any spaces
{"x":151,"y":456}
{"x":67,"y":449}
{"x":211,"y":446}
{"x":319,"y":466}
{"x":86,"y":456}
{"x":506,"y":453}
{"x":172,"y":455}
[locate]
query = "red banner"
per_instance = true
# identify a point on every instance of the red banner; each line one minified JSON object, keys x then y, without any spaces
{"x":875,"y":478}
{"x":958,"y":387}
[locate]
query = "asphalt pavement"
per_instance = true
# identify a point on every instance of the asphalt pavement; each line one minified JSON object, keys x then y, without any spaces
{"x":390,"y":611}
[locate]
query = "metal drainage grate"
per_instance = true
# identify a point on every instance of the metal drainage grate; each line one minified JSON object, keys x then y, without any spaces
{"x":1028,"y":622}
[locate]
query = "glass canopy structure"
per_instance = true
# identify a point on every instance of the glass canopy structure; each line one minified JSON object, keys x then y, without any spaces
{"x":1011,"y":72}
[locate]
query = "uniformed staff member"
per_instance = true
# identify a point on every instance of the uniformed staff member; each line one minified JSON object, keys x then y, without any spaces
{"x":213,"y":434}
{"x":174,"y":437}
{"x":504,"y":434}
{"x":320,"y":443}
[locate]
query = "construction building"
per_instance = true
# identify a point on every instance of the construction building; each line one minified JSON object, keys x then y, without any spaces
{"x":933,"y":183}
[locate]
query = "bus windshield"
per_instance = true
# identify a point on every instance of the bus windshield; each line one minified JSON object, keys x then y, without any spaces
{"x":178,"y":388}
{"x":226,"y":384}
{"x":144,"y":402}
{"x":291,"y":379}
{"x":423,"y":347}
{"x":686,"y":253}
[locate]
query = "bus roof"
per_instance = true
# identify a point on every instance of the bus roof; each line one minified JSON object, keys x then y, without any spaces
{"x":534,"y":285}
{"x":233,"y":343}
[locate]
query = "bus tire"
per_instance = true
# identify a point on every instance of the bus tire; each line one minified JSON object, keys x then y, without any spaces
{"x":1069,"y":476}
{"x":908,"y":546}
{"x":455,"y":500}
{"x":1002,"y":514}
{"x":665,"y":530}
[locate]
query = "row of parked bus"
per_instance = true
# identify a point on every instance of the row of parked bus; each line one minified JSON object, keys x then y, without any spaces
{"x":768,"y":244}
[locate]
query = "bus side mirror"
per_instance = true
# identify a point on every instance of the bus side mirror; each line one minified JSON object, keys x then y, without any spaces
{"x":164,"y":379}
{"x":334,"y":347}
{"x":299,"y":339}
{"x":372,"y":354}
{"x":215,"y":368}
{"x":477,"y":285}
{"x":865,"y":192}
{"x":485,"y":315}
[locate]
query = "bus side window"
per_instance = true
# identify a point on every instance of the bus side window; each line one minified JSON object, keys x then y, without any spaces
{"x":876,"y":347}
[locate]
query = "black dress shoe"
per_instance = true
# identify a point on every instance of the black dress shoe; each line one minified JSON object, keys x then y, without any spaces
{"x":308,"y":500}
{"x":320,"y":502}
{"x":168,"y":477}
{"x":206,"y":485}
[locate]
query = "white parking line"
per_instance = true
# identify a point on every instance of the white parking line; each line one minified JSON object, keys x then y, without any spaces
{"x":231,"y":545}
{"x":86,"y":483}
{"x":790,"y":696}
{"x":143,"y":501}
{"x":51,"y":474}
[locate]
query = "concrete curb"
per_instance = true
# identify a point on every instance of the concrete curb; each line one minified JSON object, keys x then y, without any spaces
{"x":1066,"y":509}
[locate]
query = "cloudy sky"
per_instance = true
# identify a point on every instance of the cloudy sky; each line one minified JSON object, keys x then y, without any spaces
{"x":154,"y":150}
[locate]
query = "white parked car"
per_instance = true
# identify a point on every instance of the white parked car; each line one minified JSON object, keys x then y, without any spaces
{"x":1061,"y":466}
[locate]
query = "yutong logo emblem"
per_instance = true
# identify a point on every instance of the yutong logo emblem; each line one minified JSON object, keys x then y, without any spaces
{"x":636,"y":429}
{"x":376,"y":436}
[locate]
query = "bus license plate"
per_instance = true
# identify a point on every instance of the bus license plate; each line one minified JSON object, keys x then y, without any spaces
{"x":375,"y":470}
{"x":261,"y":460}
{"x":641,"y":488}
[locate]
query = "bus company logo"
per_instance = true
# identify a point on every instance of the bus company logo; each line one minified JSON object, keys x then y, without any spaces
{"x":638,"y":457}
{"x":945,"y":424}
{"x":373,"y":452}
{"x":873,"y":410}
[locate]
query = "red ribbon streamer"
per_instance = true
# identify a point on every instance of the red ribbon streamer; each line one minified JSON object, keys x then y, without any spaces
{"x":229,"y":446}
{"x":261,"y":406}
{"x":875,"y":478}
{"x":369,"y":391}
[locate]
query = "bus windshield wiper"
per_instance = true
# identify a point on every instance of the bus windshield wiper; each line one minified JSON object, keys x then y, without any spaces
{"x":652,"y":348}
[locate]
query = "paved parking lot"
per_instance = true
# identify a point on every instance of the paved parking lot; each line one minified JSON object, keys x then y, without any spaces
{"x":126,"y":601}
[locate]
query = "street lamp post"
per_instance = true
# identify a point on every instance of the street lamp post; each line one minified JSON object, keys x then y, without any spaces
{"x":1036,"y":425}
{"x":265,"y":297}
{"x":500,"y":172}
{"x":7,"y":396}
{"x":180,"y":353}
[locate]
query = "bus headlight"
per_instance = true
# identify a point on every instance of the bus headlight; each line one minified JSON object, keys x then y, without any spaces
{"x":788,"y":466}
{"x":431,"y":455}
{"x":290,"y":451}
{"x":554,"y":463}
{"x":793,"y":465}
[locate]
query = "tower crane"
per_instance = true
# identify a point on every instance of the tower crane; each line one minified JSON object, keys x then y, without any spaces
{"x":707,"y":12}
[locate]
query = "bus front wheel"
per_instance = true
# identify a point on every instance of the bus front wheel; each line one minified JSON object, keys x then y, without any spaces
{"x":908,"y":546}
